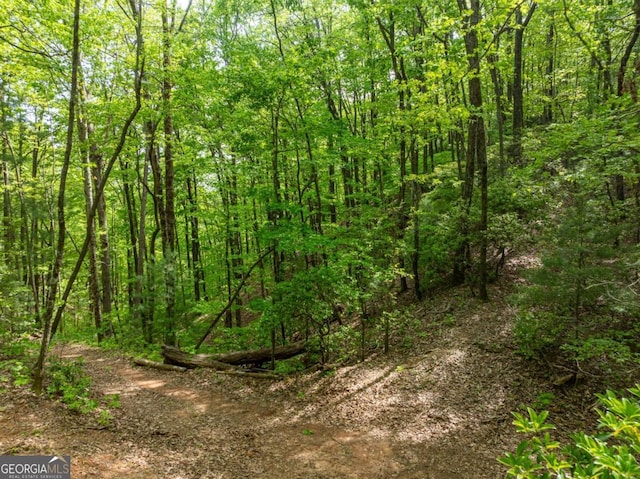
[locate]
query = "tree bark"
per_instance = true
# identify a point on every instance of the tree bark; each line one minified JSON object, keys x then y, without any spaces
{"x":156,"y":365}
{"x":547,"y":115}
{"x":629,"y":49}
{"x":404,"y":96}
{"x":7,"y":215}
{"x":103,"y":237}
{"x":173,"y":355}
{"x":141,"y":308}
{"x":498,"y":90}
{"x":169,"y":218}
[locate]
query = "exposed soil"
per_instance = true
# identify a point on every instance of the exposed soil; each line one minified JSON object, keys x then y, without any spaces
{"x":436,"y":407}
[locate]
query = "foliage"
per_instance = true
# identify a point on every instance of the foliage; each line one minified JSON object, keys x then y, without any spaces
{"x":611,"y":454}
{"x":577,"y":299}
{"x":543,"y":400}
{"x":289,"y":366}
{"x":332,"y":136}
{"x":237,"y":339}
{"x":69,"y":383}
{"x":16,"y":353}
{"x":610,"y":347}
{"x":15,"y":371}
{"x":537,"y":332}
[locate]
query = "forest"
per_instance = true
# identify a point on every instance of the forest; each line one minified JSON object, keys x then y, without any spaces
{"x":280,"y":192}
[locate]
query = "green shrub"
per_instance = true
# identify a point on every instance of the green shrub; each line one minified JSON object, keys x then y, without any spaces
{"x":16,"y":353}
{"x":289,"y":366}
{"x":16,"y":371}
{"x":611,"y":454}
{"x":603,"y":348}
{"x":69,"y":383}
{"x":536,"y":332}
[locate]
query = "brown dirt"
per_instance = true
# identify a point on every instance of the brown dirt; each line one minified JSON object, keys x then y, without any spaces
{"x":437,"y":407}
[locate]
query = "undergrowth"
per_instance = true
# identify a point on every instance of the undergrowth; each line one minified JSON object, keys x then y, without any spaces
{"x":612,"y":453}
{"x":70,"y":384}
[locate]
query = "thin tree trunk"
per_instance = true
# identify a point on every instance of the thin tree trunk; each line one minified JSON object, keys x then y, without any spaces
{"x":7,"y":215}
{"x":388,"y":33}
{"x":36,"y":278}
{"x":142,"y":309}
{"x":103,"y":238}
{"x":235,"y":241}
{"x":476,"y":146}
{"x":48,"y":330}
{"x":199,"y":286}
{"x":94,"y":285}
{"x":132,"y":250}
{"x":169,"y":219}
{"x":547,"y":115}
{"x":416,"y":195}
{"x":518,"y":94}
{"x":498,"y":90}
{"x":629,"y":49}
{"x":51,"y":323}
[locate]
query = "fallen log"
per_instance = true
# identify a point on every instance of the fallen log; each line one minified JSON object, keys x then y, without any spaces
{"x":252,"y":375}
{"x":153,"y":364}
{"x":177,"y":357}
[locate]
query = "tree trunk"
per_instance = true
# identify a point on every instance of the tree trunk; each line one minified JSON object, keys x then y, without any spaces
{"x":518,"y":96}
{"x":416,"y":196}
{"x":476,"y":147}
{"x":84,"y":130}
{"x":404,"y":94}
{"x":547,"y":115}
{"x":235,"y":241}
{"x":629,"y":49}
{"x":132,"y":250}
{"x":103,"y":237}
{"x":155,"y":365}
{"x":142,"y":309}
{"x":199,"y":286}
{"x":38,"y":370}
{"x":51,"y":323}
{"x":7,"y":215}
{"x":168,"y":220}
{"x":498,"y":90}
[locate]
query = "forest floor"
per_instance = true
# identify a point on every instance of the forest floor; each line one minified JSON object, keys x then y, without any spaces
{"x":438,"y":407}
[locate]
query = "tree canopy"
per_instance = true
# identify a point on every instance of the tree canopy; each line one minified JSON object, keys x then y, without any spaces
{"x":282,"y":166}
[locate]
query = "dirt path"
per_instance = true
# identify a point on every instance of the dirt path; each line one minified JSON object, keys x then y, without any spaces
{"x":438,"y":409}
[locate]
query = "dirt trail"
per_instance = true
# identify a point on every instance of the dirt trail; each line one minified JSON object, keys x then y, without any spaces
{"x":438,"y":410}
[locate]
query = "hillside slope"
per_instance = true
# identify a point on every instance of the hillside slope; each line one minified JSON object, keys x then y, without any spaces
{"x":438,"y":407}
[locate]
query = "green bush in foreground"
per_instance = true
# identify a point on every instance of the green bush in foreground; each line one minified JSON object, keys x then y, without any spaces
{"x":71,"y":384}
{"x":612,"y":454}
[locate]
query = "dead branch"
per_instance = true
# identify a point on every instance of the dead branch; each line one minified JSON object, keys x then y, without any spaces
{"x":153,"y":364}
{"x":226,"y":361}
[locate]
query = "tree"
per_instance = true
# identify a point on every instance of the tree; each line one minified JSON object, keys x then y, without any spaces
{"x":51,"y":321}
{"x":48,"y":320}
{"x":518,"y":97}
{"x":343,"y":138}
{"x":476,"y":147}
